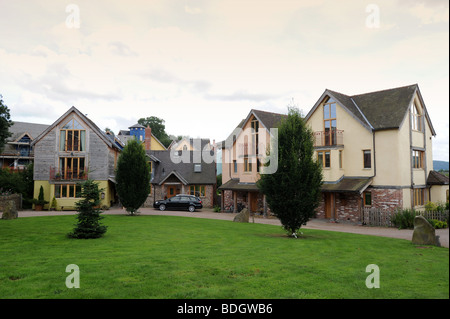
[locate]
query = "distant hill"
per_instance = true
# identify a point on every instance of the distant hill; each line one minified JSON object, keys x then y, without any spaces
{"x":438,"y":165}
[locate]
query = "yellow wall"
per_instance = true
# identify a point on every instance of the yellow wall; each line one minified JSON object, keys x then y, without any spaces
{"x":69,"y":203}
{"x":155,"y":145}
{"x":439,"y":193}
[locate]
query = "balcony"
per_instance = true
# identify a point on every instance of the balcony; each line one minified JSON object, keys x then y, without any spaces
{"x":68,"y":174}
{"x":328,"y":138}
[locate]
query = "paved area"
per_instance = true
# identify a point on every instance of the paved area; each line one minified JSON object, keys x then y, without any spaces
{"x":320,"y":224}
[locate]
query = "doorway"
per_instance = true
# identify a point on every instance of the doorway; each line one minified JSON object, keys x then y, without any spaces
{"x":330,"y":207}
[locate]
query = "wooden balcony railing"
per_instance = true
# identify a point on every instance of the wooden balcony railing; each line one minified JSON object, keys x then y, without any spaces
{"x":328,"y":138}
{"x":68,"y":174}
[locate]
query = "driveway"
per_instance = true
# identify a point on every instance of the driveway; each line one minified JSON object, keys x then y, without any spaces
{"x":321,"y":224}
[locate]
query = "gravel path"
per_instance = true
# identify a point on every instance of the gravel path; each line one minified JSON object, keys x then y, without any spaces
{"x":320,"y":224}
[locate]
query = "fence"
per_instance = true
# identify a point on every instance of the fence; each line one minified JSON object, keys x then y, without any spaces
{"x":383,"y":217}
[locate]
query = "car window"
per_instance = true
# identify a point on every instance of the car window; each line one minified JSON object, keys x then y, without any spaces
{"x":175,"y":199}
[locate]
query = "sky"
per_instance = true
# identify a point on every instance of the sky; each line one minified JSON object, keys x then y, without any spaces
{"x":202,"y":65}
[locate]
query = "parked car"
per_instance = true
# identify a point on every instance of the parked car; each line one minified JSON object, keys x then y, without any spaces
{"x":179,"y":202}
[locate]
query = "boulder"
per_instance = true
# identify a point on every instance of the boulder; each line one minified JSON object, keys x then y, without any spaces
{"x":424,"y":233}
{"x":242,"y":217}
{"x":10,"y":210}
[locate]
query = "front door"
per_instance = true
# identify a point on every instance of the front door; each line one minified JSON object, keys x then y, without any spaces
{"x":253,"y":202}
{"x":171,"y":191}
{"x":329,"y":205}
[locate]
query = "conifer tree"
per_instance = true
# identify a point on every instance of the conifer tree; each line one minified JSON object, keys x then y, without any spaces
{"x":133,"y":176}
{"x":88,"y":225}
{"x":293,"y":191}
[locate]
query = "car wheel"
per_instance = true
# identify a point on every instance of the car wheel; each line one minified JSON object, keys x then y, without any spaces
{"x":162,"y":207}
{"x":191,"y":208}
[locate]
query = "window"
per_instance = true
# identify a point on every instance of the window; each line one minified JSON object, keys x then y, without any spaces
{"x":235,"y":166}
{"x":255,"y":139}
{"x":198,"y":168}
{"x":416,"y":118}
{"x":340,"y":159}
{"x":367,"y":199}
{"x":418,"y":159}
{"x":329,"y":119}
{"x":72,"y":167}
{"x":72,"y":137}
{"x":247,"y":164}
{"x":67,"y":191}
{"x":367,"y":159}
{"x":197,"y":190}
{"x":418,"y":196}
{"x":324,"y":157}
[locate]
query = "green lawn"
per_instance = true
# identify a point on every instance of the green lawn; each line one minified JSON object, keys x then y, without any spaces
{"x":181,"y":257}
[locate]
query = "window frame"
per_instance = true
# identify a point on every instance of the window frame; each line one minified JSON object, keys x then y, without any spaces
{"x":367,"y":161}
{"x":418,"y":157}
{"x":418,"y":197}
{"x":322,"y":158}
{"x":201,"y":189}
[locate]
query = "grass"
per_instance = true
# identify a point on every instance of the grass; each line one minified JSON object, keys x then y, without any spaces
{"x":181,"y":257}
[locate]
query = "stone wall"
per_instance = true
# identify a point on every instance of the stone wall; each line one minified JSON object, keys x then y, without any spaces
{"x":16,"y":198}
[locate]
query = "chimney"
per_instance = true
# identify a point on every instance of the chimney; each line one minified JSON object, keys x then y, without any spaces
{"x":148,"y":138}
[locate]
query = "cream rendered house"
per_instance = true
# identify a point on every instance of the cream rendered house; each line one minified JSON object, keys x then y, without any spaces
{"x":243,"y":154}
{"x":376,"y":151}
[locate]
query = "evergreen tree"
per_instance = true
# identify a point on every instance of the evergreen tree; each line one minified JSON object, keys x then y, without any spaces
{"x":88,"y":225}
{"x":5,"y":123}
{"x":293,"y":191}
{"x":133,"y":176}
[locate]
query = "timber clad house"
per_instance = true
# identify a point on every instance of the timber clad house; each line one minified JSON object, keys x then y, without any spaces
{"x":70,"y":151}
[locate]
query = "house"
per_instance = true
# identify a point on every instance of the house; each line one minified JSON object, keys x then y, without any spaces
{"x":376,"y":151}
{"x":191,"y":144}
{"x":143,"y":134}
{"x":18,"y":152}
{"x":182,"y":172}
{"x":70,"y":151}
{"x":242,"y":158}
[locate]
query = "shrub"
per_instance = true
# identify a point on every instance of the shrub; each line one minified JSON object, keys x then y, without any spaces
{"x":438,"y":224}
{"x":404,"y":219}
{"x":216,"y":209}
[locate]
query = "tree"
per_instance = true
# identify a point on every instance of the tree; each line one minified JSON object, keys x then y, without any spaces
{"x":133,"y":176}
{"x":5,"y":123}
{"x":158,"y":128}
{"x":88,"y":225}
{"x":293,"y":191}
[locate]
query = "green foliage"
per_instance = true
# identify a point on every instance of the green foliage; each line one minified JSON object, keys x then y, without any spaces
{"x":5,"y":123}
{"x":20,"y":182}
{"x":88,"y":225}
{"x":404,"y":219}
{"x":216,"y":209}
{"x":133,"y":176}
{"x":158,"y":128}
{"x":40,"y":200}
{"x":437,"y":224}
{"x":293,"y":191}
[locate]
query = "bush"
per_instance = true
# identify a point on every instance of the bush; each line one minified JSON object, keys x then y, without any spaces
{"x":216,"y":209}
{"x":437,"y":224}
{"x":404,"y":219}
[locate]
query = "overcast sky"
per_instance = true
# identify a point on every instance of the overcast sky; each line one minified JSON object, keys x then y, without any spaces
{"x":202,"y":65}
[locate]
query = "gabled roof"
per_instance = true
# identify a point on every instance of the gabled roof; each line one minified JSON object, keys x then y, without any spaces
{"x":108,"y":141}
{"x":164,"y":167}
{"x":266,"y":119}
{"x":20,"y":129}
{"x":380,"y":110}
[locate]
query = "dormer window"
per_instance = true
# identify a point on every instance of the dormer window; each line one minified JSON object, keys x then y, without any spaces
{"x":416,"y":118}
{"x":198,"y":168}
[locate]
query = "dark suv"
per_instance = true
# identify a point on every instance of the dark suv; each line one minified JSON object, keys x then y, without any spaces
{"x":179,"y":202}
